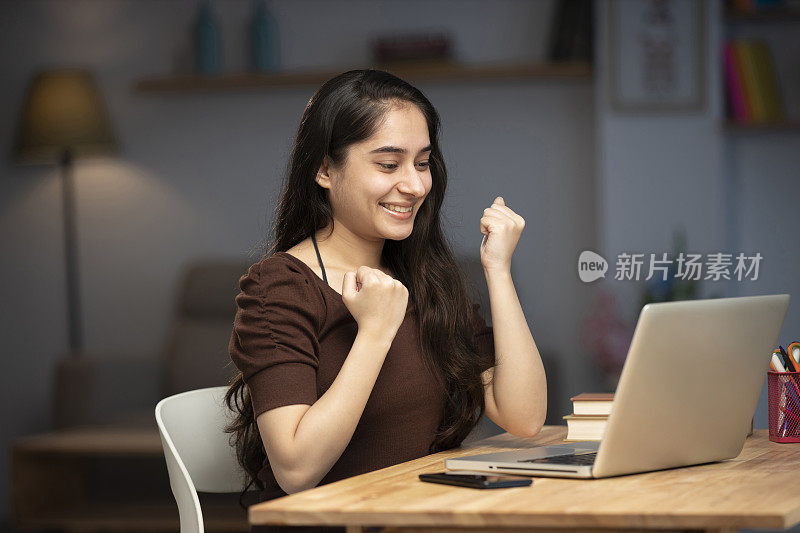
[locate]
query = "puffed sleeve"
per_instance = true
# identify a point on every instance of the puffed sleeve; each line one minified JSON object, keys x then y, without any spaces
{"x":274,"y":342}
{"x":484,"y":338}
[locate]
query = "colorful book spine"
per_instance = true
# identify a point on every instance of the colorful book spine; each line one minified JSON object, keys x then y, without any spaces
{"x":750,"y":77}
{"x":733,"y":80}
{"x":751,"y":82}
{"x":768,"y":82}
{"x":742,"y":6}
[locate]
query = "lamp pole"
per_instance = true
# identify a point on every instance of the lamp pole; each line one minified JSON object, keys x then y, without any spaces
{"x":71,"y":256}
{"x":64,"y":116}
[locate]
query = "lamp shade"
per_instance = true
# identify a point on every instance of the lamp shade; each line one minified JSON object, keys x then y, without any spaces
{"x":64,"y":111}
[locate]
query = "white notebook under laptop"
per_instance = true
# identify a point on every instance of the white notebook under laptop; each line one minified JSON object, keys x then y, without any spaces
{"x":686,"y":396}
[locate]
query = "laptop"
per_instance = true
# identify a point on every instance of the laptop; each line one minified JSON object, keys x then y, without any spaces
{"x":686,"y":395}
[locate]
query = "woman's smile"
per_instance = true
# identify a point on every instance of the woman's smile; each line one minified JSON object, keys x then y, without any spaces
{"x":397,"y":212}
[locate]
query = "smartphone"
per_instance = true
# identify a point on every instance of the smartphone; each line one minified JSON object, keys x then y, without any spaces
{"x":476,"y":481}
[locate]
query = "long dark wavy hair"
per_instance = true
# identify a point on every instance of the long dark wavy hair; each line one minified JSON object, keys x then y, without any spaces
{"x":348,"y":109}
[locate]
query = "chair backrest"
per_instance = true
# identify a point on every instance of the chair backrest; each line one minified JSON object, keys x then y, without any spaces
{"x":198,"y":452}
{"x":196,"y":352}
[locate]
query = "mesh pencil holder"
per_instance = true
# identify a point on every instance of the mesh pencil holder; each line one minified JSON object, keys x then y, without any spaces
{"x":784,"y":406}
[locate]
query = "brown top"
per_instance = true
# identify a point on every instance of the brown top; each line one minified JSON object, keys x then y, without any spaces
{"x":291,"y":335}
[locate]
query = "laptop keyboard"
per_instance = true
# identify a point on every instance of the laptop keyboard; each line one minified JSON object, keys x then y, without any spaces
{"x":579,"y":459}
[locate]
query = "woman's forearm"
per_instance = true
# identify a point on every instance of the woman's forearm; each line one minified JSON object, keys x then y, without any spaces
{"x":326,"y":428}
{"x":519,"y":387}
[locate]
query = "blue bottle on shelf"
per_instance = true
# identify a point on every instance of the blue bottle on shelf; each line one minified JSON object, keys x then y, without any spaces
{"x":208,"y":46}
{"x":263,"y":39}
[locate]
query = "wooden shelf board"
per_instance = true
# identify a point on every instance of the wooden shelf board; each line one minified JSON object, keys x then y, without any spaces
{"x":135,"y":516}
{"x":93,"y":441}
{"x":785,"y":126}
{"x":412,"y":72}
{"x":765,"y":15}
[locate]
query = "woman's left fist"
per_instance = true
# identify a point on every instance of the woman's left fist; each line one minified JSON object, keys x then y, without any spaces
{"x":501,"y":228}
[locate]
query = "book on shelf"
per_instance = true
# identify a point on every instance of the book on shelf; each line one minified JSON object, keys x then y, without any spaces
{"x":571,"y":31}
{"x":586,"y":427}
{"x":752,"y":88}
{"x":768,"y":82}
{"x":737,"y":100}
{"x":754,"y":7}
{"x":592,"y":403}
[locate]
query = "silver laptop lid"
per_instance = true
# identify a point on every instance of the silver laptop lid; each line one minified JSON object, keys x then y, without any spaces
{"x":690,"y":384}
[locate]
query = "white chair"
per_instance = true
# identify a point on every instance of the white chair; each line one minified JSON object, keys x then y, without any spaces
{"x":198,"y":452}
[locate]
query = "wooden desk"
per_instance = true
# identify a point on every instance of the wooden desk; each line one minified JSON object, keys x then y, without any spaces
{"x":758,"y":489}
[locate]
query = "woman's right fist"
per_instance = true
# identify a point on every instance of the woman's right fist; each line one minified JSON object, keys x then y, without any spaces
{"x":376,"y":300}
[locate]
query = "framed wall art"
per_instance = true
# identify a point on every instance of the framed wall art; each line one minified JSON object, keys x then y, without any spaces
{"x":656,"y":55}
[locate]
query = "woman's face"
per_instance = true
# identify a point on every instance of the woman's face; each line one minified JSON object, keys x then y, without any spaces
{"x":389,"y":168}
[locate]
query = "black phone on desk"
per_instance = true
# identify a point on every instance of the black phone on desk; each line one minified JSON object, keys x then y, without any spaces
{"x":476,"y":481}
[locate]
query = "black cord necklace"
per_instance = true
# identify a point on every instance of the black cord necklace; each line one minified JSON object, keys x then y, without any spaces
{"x":319,"y":258}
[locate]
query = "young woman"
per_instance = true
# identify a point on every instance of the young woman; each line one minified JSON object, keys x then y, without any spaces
{"x":356,"y":341}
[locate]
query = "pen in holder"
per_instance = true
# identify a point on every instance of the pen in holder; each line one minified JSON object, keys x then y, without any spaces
{"x":784,"y":406}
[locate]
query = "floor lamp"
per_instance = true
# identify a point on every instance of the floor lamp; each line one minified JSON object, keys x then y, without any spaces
{"x":64,"y":117}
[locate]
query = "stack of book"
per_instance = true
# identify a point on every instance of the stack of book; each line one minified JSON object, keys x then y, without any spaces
{"x":589,"y":416}
{"x":752,"y":91}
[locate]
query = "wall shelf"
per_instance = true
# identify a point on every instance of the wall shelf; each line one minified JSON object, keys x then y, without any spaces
{"x":786,"y":14}
{"x":416,"y":72}
{"x":791,"y":126}
{"x":764,"y":21}
{"x":69,"y":480}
